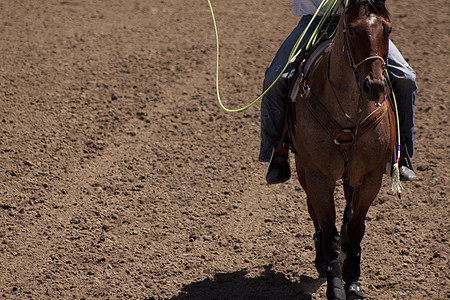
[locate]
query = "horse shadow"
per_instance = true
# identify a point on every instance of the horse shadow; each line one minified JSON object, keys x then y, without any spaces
{"x":235,"y":285}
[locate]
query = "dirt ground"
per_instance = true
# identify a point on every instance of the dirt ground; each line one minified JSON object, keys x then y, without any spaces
{"x":121,"y":177}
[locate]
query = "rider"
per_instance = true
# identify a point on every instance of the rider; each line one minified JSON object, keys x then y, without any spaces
{"x":274,"y":101}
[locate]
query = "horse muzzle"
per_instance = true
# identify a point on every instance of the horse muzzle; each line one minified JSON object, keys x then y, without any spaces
{"x":371,"y":89}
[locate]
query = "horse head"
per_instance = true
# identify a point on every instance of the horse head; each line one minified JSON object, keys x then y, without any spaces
{"x":366,"y":32}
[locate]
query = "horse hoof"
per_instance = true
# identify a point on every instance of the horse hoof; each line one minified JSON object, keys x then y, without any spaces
{"x":335,"y":285}
{"x":336,"y":291}
{"x":353,"y":291}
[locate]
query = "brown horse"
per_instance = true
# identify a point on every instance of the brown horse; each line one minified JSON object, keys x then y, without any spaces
{"x":345,"y":129}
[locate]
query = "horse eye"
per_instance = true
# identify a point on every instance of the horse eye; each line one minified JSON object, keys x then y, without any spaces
{"x":388,"y":31}
{"x":351,"y":31}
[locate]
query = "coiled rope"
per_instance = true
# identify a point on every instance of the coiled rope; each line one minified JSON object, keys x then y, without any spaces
{"x":312,"y":40}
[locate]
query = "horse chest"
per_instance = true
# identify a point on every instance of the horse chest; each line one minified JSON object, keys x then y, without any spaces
{"x":330,"y":146}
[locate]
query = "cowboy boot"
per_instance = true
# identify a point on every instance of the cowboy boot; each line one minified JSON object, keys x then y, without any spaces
{"x":405,"y":166}
{"x":278,"y":169}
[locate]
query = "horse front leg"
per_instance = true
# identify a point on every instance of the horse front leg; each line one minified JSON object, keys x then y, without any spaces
{"x":319,"y":261}
{"x":348,"y":212}
{"x":361,"y":198}
{"x":320,"y":192}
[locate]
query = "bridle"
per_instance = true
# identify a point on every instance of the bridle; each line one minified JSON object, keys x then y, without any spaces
{"x":354,"y":65}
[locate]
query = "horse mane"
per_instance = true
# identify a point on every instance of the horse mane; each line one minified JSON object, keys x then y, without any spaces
{"x":375,"y":6}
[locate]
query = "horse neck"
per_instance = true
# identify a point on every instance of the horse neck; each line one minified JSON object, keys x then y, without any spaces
{"x":341,"y":73}
{"x":341,"y":78}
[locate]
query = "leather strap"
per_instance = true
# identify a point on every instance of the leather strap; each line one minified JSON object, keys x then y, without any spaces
{"x":343,"y":136}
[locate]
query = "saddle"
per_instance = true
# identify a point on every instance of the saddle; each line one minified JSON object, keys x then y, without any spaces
{"x":299,"y":86}
{"x":286,"y":138}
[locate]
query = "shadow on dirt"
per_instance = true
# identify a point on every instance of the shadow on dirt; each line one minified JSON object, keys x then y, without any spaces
{"x":269,"y":285}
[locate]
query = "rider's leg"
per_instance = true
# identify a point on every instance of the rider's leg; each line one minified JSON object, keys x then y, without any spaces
{"x":404,"y":85}
{"x":273,"y":105}
{"x":273,"y":102}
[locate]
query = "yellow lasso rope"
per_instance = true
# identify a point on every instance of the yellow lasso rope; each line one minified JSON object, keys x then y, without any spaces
{"x":292,"y":56}
{"x":396,"y":185}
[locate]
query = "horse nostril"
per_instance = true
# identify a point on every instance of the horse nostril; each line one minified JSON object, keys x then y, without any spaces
{"x":381,"y":87}
{"x":373,"y":88}
{"x":366,"y":86}
{"x":378,"y":87}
